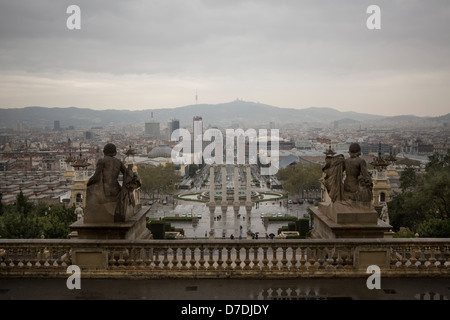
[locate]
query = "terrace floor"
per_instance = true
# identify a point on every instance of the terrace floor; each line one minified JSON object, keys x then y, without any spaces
{"x":227,"y":289}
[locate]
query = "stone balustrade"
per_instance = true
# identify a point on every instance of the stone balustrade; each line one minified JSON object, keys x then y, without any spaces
{"x":224,"y":258}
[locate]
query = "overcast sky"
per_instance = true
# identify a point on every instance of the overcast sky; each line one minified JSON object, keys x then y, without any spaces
{"x":288,"y":53}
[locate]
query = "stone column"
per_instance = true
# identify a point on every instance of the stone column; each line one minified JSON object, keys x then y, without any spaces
{"x":224,"y":203}
{"x":248,"y":201}
{"x":236,"y":202}
{"x":212,"y":201}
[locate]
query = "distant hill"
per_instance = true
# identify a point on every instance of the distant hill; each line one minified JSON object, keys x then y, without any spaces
{"x":220,"y":114}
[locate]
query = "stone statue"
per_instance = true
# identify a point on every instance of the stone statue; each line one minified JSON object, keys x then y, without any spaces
{"x":333,"y":176}
{"x":80,"y":213}
{"x":103,"y":189}
{"x":106,"y":174}
{"x":384,"y":213}
{"x":127,"y":198}
{"x":358,"y":182}
{"x":348,"y":179}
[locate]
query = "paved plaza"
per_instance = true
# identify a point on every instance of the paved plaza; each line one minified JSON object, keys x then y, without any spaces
{"x":227,"y":224}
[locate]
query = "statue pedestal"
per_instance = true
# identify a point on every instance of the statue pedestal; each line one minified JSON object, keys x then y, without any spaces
{"x":344,"y":220}
{"x":134,"y":228}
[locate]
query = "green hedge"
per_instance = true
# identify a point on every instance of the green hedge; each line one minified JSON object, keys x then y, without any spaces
{"x":177,"y":218}
{"x":290,"y":218}
{"x":158,"y":228}
{"x":302,"y":226}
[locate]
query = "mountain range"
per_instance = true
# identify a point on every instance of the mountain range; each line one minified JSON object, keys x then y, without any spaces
{"x":239,"y":111}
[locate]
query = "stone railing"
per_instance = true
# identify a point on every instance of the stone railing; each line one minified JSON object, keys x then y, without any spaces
{"x":225,"y":258}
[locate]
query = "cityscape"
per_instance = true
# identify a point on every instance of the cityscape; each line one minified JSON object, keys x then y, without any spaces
{"x":248,"y":152}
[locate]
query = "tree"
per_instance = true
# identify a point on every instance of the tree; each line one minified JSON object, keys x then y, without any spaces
{"x":22,"y":203}
{"x":434,"y":228}
{"x":18,"y":225}
{"x":425,"y":199}
{"x":56,"y":220}
{"x":159,"y":178}
{"x":408,"y":179}
{"x":300,"y":177}
{"x":52,"y":222}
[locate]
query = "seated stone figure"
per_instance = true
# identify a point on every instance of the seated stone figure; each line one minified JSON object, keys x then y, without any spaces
{"x":103,"y":189}
{"x":127,"y":199}
{"x":358,"y":182}
{"x":348,"y":179}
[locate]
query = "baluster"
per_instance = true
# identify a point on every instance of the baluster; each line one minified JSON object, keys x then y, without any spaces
{"x":220,"y":260}
{"x":403,"y":259}
{"x":330,"y":263}
{"x":165,"y":261}
{"x":284,"y":260}
{"x":193,"y":261}
{"x":247,"y":260}
{"x":59,"y":257}
{"x":274,"y":258}
{"x":303,"y":260}
{"x":413,"y":258}
{"x":41,"y":257}
{"x":339,"y":260}
{"x":183,"y":259}
{"x":21,"y":256}
{"x":148,"y":262}
{"x":321,"y":259}
{"x":68,"y":257}
{"x":255,"y":259}
{"x":156,"y":259}
{"x":175,"y":259}
{"x":395,"y":257}
{"x":441,"y":259}
{"x":7,"y":257}
{"x":130,"y":259}
{"x":229,"y":260}
{"x":211,"y":259}
{"x":139,"y":262}
{"x":293,"y":265}
{"x":202,"y":259}
{"x":112,"y":259}
{"x":312,"y":258}
{"x":15,"y":257}
{"x":238,"y":261}
{"x":265,"y":261}
{"x":33,"y":257}
{"x":432,"y":258}
{"x":51,"y":256}
{"x":121,"y":260}
{"x":422,"y":258}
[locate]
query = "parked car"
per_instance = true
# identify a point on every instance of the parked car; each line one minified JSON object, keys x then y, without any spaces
{"x":294,"y":202}
{"x":300,"y":201}
{"x":289,"y":201}
{"x":164,"y":202}
{"x":150,"y":203}
{"x":199,"y":215}
{"x":279,"y":214}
